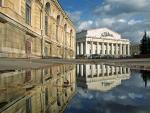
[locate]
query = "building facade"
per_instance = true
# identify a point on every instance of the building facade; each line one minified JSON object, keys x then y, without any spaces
{"x":35,"y":28}
{"x":102,"y":42}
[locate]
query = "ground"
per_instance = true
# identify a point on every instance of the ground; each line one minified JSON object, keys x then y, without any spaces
{"x":11,"y":64}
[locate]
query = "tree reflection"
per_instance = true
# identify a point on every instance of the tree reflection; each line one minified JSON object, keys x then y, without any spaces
{"x":146,"y":76}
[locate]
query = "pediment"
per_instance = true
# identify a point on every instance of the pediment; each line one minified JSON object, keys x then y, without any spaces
{"x":103,"y":33}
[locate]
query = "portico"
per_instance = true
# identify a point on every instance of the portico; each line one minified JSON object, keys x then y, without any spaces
{"x":111,"y":44}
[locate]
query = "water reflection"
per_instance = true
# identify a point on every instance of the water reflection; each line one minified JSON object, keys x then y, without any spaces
{"x":101,"y":77}
{"x":47,"y":90}
{"x":110,"y":89}
{"x":146,"y":76}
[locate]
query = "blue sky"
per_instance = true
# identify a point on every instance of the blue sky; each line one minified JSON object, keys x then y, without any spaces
{"x":130,"y":19}
{"x":86,"y":6}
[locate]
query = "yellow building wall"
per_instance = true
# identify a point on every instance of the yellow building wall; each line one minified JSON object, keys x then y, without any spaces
{"x":14,"y":30}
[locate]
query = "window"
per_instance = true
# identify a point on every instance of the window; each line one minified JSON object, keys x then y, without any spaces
{"x":57,"y":26}
{"x":65,"y":33}
{"x":28,"y":12}
{"x":0,"y":3}
{"x":46,"y":51}
{"x":70,"y":38}
{"x":47,"y":10}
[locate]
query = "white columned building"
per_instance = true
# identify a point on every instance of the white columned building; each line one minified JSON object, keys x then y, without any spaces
{"x":101,"y":42}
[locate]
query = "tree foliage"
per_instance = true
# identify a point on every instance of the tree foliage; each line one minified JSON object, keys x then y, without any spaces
{"x":145,"y":44}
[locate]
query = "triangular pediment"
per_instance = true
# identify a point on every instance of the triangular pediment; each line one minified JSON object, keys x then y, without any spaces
{"x":103,"y":33}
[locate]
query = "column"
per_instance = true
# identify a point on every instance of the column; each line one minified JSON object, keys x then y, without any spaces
{"x":81,"y":48}
{"x":107,"y":70}
{"x":128,"y":49}
{"x":103,"y":51}
{"x":91,"y":48}
{"x":116,"y":49}
{"x":112,"y":49}
{"x":81,"y":69}
{"x":107,"y":48}
{"x":85,"y":48}
{"x":124,"y":49}
{"x":120,"y":49}
{"x":98,"y":48}
{"x":77,"y":48}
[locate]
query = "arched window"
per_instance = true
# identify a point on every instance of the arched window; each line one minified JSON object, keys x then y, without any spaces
{"x":70,"y":37}
{"x":28,"y":12}
{"x":57,"y":26}
{"x":47,"y":11}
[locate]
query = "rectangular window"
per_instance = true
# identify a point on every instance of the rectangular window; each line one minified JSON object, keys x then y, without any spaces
{"x":0,"y":3}
{"x":28,"y":12}
{"x":46,"y":25}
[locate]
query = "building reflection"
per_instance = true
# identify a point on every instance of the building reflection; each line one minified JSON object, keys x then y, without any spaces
{"x":101,"y":77}
{"x":47,"y":90}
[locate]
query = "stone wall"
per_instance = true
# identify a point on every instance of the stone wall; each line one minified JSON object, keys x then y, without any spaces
{"x":14,"y":32}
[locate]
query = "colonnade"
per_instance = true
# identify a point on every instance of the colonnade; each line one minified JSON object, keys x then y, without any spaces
{"x":103,"y":48}
{"x":100,"y":70}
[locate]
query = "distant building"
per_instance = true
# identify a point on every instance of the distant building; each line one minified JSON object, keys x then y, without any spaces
{"x":102,"y":42}
{"x":35,"y":28}
{"x":135,"y":49}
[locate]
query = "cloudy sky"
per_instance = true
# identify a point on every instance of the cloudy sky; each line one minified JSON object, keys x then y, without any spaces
{"x":129,"y":18}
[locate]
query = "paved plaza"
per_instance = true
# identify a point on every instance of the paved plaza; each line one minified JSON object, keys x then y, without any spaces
{"x":11,"y":64}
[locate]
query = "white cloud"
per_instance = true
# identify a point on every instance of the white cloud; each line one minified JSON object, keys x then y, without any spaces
{"x":129,"y":18}
{"x":132,"y":22}
{"x":75,"y":16}
{"x":85,"y":25}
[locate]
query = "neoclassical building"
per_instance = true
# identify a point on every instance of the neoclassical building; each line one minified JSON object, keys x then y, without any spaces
{"x":101,"y":77}
{"x":35,"y":28}
{"x":102,"y":42}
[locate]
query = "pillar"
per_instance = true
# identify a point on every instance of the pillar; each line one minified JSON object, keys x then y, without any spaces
{"x":98,"y":48}
{"x":103,"y":51}
{"x":81,"y":48}
{"x":116,"y":49}
{"x":120,"y":49}
{"x":128,"y":49}
{"x":124,"y":49}
{"x":112,"y":49}
{"x":81,"y":69}
{"x":78,"y":49}
{"x":107,"y":48}
{"x":91,"y":48}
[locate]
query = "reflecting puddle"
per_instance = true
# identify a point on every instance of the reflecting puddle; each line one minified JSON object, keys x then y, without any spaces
{"x":37,"y":91}
{"x":109,"y":89}
{"x":75,"y":89}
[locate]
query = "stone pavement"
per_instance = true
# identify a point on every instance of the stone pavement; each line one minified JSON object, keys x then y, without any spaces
{"x":12,"y":64}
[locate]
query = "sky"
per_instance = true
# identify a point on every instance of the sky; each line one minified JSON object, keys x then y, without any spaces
{"x":130,"y":18}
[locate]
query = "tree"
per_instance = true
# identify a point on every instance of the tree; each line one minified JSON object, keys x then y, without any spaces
{"x":145,"y":45}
